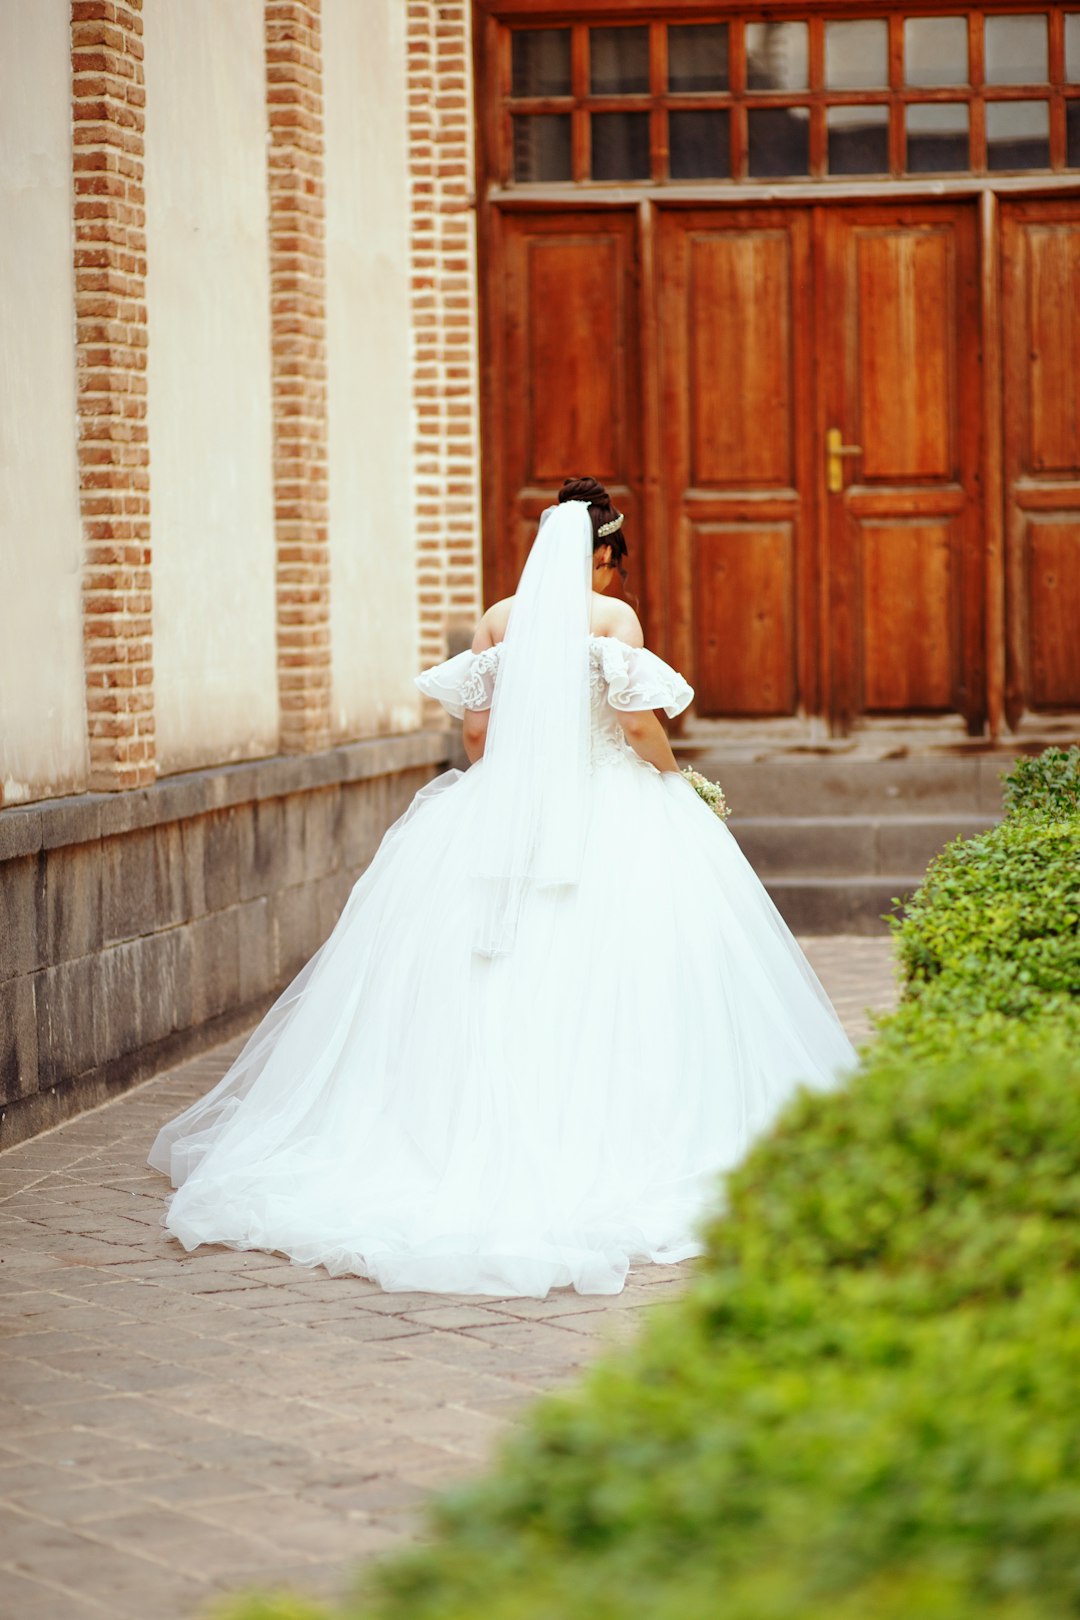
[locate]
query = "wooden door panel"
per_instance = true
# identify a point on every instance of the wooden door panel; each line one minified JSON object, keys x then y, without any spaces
{"x":574,"y":319}
{"x":1041,"y":350}
{"x":908,"y":609}
{"x":566,"y":383}
{"x":734,"y":325}
{"x":1053,"y":607}
{"x":744,"y":618}
{"x":1053,"y":324}
{"x":907,"y":412}
{"x":898,"y":364}
{"x":741,"y":369}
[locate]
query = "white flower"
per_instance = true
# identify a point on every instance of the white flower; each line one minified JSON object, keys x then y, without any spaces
{"x":711,"y":792}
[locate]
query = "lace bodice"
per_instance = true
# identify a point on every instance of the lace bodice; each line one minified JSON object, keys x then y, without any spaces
{"x":621,"y":677}
{"x":613,"y":679}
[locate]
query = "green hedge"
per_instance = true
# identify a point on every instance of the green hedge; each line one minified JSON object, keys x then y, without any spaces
{"x":990,"y":946}
{"x":1046,"y":784}
{"x":865,"y":1407}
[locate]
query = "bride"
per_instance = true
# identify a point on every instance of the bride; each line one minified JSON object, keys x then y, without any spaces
{"x":556,"y":1005}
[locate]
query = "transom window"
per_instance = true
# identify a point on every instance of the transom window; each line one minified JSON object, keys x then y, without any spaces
{"x":747,"y":100}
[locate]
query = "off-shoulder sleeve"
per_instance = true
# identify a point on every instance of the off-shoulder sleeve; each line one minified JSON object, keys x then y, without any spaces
{"x":637,"y":679}
{"x":466,"y":681}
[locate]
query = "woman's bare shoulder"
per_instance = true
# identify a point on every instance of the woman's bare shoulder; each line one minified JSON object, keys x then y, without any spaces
{"x":614,"y":618}
{"x":610,"y":617}
{"x":492,"y":626}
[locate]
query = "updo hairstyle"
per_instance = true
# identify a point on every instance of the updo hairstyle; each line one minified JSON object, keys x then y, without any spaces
{"x":601,"y":511}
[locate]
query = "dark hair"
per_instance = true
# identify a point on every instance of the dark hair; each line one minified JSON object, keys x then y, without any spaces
{"x":601,"y":511}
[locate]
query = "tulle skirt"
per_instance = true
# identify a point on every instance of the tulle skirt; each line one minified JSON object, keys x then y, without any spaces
{"x":412,"y":1112}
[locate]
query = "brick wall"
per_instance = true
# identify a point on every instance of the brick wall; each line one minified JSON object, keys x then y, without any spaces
{"x":110,"y":312}
{"x":444,"y":319}
{"x":298,"y":326}
{"x":111,"y":327}
{"x":136,"y":927}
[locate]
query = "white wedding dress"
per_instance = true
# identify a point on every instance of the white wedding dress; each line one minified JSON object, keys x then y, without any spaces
{"x":435,"y":1118}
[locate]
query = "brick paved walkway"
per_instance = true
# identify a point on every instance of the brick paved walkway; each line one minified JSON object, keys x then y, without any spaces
{"x":174,"y":1425}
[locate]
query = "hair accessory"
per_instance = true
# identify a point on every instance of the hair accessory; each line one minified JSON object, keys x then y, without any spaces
{"x":611,"y":528}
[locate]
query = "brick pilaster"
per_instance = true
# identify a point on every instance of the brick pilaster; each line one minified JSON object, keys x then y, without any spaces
{"x":298,"y":327}
{"x":445,"y":364}
{"x":108,"y":104}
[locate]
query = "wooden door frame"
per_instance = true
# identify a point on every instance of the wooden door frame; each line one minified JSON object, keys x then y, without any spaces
{"x":734,"y":505}
{"x":656,"y":538}
{"x":557,"y":11}
{"x":1028,"y":494}
{"x":614,"y":377}
{"x":843,"y":665}
{"x":493,"y":201}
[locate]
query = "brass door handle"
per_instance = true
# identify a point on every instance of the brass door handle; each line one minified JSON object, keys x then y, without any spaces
{"x":835,"y":449}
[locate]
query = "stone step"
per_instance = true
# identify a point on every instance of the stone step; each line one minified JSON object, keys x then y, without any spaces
{"x":848,"y":846}
{"x":838,"y":905}
{"x":839,"y":785}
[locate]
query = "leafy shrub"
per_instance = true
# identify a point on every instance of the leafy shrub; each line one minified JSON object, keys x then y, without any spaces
{"x":990,"y":945}
{"x":1047,"y":784}
{"x":865,"y":1406}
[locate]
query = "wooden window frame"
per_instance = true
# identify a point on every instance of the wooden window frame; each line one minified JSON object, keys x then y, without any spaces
{"x":658,"y":102}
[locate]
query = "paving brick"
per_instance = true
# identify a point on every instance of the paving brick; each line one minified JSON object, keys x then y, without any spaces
{"x":80,"y":1504}
{"x":29,"y":1599}
{"x":179,"y":1425}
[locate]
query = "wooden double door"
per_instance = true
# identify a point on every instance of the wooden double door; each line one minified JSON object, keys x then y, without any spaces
{"x":791,"y":405}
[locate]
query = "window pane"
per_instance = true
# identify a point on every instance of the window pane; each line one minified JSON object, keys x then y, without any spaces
{"x":1072,"y":134}
{"x":1017,"y":135}
{"x":776,"y":56}
{"x":700,"y":145}
{"x":779,"y":141}
{"x":1016,"y":50}
{"x":618,"y":61}
{"x":698,"y":57}
{"x":858,"y":140}
{"x":856,"y":55}
{"x":540,"y":62}
{"x":935,"y":51}
{"x":542,"y":147}
{"x":937,"y":138}
{"x":620,"y":146}
{"x":1072,"y":47}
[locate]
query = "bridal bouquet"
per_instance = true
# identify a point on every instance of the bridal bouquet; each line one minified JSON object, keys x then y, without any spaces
{"x":711,"y":792}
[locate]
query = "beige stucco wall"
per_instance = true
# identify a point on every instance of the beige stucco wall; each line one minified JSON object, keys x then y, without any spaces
{"x":209,"y":402}
{"x":372,"y":546}
{"x":42,"y":708}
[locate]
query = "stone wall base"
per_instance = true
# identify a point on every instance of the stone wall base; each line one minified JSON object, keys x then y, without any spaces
{"x":138,"y":929}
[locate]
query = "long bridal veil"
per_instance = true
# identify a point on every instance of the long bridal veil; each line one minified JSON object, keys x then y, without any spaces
{"x":531,"y":820}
